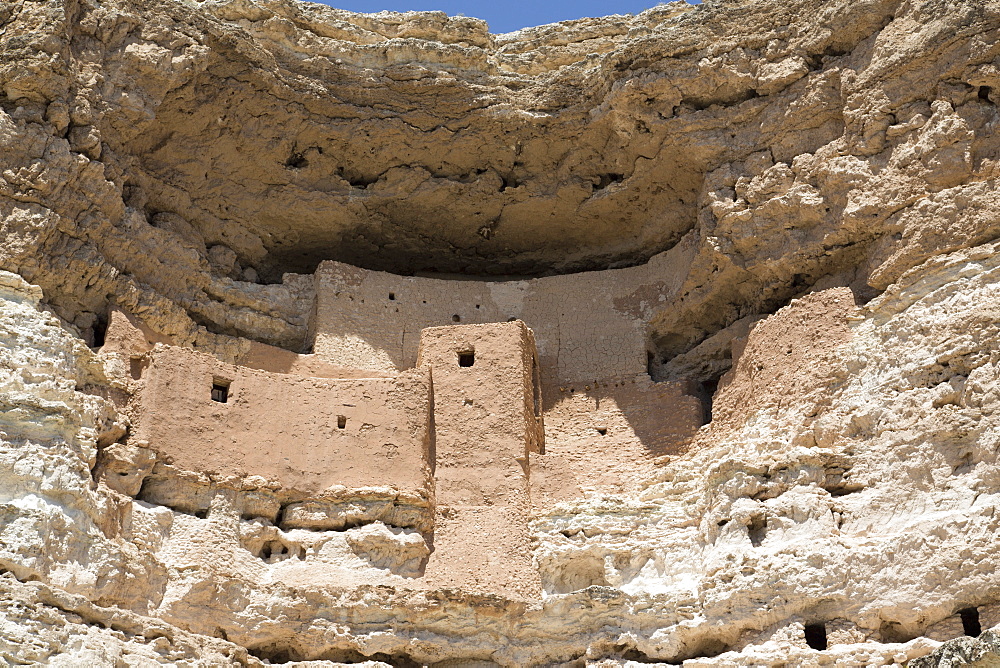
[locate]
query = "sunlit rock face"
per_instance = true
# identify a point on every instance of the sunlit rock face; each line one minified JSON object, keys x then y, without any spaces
{"x":344,"y":338}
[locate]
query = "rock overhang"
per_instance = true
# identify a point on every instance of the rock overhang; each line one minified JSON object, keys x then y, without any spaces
{"x":401,"y":154}
{"x":835,"y":150}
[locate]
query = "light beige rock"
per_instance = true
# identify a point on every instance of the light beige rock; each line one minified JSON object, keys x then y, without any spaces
{"x":748,"y":398}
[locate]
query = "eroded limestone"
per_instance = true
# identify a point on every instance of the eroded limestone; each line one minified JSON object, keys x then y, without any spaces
{"x":761,"y":422}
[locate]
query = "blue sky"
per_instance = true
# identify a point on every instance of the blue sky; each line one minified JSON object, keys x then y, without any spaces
{"x":505,"y":15}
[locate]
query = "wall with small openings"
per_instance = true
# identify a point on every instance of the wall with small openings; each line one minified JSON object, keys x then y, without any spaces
{"x":587,"y":326}
{"x":308,"y":434}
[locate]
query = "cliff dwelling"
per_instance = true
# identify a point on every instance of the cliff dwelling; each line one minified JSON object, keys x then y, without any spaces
{"x":339,"y":339}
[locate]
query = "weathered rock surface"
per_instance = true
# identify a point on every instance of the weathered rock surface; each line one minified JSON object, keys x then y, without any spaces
{"x":822,"y":174}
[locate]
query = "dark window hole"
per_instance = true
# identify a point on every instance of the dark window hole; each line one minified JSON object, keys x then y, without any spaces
{"x":706,"y":391}
{"x":136,"y":365}
{"x":296,"y":161}
{"x":757,"y":529}
{"x":99,"y":332}
{"x":603,"y":431}
{"x":984,"y":93}
{"x":220,"y":391}
{"x":466,"y":359}
{"x":341,"y":422}
{"x":816,"y":636}
{"x":392,"y":296}
{"x":970,"y":622}
{"x":456,"y":318}
{"x":201,"y":514}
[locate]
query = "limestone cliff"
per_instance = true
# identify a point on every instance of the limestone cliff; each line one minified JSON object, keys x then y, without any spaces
{"x":753,"y":421}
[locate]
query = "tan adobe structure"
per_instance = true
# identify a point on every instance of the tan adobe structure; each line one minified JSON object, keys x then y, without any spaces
{"x":488,"y":428}
{"x":443,"y":452}
{"x":373,"y":431}
{"x":308,"y":435}
{"x":588,"y":326}
{"x":385,"y":340}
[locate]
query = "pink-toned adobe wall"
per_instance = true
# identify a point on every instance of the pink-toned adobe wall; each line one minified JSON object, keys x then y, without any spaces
{"x":488,"y":431}
{"x":486,"y":423}
{"x":286,"y":428}
{"x":588,"y":326}
{"x":611,"y":438}
{"x":129,"y":337}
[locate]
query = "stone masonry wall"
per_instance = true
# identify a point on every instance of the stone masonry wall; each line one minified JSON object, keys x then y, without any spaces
{"x":587,"y":326}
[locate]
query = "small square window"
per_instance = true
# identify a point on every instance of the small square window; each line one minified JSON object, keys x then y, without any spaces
{"x":220,"y":391}
{"x":466,"y":359}
{"x":341,"y":422}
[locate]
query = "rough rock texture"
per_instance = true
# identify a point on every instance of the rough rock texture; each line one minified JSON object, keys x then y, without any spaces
{"x":821,"y":174}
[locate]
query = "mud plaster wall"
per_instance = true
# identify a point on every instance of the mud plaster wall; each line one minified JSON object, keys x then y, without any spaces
{"x":587,"y":326}
{"x":484,"y":420}
{"x":611,"y":436}
{"x":129,"y":339}
{"x":487,"y":433}
{"x":287,"y":428}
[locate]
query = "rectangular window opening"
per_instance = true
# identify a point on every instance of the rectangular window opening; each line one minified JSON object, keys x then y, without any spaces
{"x":467,"y":358}
{"x":220,"y":390}
{"x":341,"y":422}
{"x":99,"y":332}
{"x":136,"y":365}
{"x":816,"y":636}
{"x":970,"y":622}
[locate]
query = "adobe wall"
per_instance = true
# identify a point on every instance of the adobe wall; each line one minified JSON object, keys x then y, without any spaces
{"x":287,"y":428}
{"x":129,"y":338}
{"x":612,"y":437}
{"x":587,"y":325}
{"x":487,"y":417}
{"x":488,"y":429}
